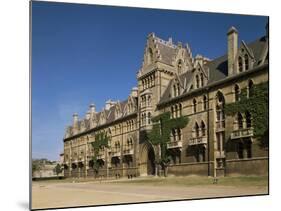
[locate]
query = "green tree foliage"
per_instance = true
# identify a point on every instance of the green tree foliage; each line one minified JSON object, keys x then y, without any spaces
{"x":160,"y":133}
{"x":101,"y":140}
{"x":58,"y":169}
{"x":257,"y":105}
{"x":35,"y":167}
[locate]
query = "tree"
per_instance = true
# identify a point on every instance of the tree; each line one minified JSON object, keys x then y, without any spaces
{"x":35,"y":167}
{"x":58,"y":169}
{"x":159,"y":136}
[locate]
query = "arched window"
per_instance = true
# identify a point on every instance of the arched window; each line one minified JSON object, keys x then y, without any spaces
{"x":196,"y":129}
{"x":197,"y":81}
{"x":248,"y":120}
{"x":236,"y":93}
{"x":144,"y":117}
{"x":246,"y":57}
{"x":180,"y":109}
{"x":250,"y":88}
{"x":240,"y":121}
{"x":172,"y":111}
{"x":150,"y":56}
{"x":202,"y":79}
{"x":179,"y":66}
{"x":204,"y":103}
{"x":178,"y":89}
{"x":149,"y":118}
{"x":194,"y":106}
{"x":203,"y":128}
{"x":240,"y":64}
{"x":175,"y":90}
{"x":176,"y":111}
{"x":220,"y":106}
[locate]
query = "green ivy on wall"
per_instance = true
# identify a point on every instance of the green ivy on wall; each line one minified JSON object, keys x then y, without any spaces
{"x":161,"y":130}
{"x":101,"y":140}
{"x":257,"y":105}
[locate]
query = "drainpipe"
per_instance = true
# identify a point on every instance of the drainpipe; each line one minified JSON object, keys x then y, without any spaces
{"x":208,"y":132}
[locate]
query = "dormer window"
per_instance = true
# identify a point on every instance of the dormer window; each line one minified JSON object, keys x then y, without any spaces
{"x":202,"y":79}
{"x":179,"y":67}
{"x":240,"y":64}
{"x":197,"y":81}
{"x":246,"y":59}
{"x":117,"y":113}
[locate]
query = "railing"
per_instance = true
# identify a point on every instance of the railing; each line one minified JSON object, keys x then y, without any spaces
{"x":174,"y":144}
{"x":197,"y":140}
{"x":220,"y":125}
{"x":128,"y":150}
{"x":115,"y":152}
{"x":242,"y":133}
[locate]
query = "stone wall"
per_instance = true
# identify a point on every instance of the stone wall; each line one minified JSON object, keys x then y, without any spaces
{"x":189,"y":169}
{"x":252,"y":166}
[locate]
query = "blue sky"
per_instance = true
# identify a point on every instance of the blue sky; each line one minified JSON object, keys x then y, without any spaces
{"x":84,"y":54}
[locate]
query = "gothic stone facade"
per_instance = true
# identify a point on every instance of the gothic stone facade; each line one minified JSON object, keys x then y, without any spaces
{"x":171,"y":79}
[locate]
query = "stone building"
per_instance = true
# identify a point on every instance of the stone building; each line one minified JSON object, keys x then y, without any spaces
{"x":171,"y":79}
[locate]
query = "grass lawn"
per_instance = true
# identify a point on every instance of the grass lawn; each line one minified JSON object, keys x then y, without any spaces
{"x":258,"y":181}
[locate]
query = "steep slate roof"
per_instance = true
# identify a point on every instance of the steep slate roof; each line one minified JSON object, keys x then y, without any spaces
{"x":218,"y":67}
{"x":110,"y":117}
{"x":167,"y":53}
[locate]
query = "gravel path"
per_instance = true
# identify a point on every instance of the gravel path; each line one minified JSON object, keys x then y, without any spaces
{"x":46,"y":195}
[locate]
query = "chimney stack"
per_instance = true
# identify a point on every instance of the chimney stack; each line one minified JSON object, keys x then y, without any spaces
{"x":134,"y":92}
{"x":232,"y":49}
{"x":75,"y":119}
{"x":75,"y":123}
{"x":92,"y":108}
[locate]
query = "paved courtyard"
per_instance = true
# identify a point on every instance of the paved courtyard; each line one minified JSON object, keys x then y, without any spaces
{"x":48,"y":194}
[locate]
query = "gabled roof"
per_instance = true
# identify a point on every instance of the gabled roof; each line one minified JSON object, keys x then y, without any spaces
{"x":167,"y":93}
{"x":218,"y":68}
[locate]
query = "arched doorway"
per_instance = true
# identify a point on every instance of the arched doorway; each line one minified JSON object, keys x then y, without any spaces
{"x":147,"y":160}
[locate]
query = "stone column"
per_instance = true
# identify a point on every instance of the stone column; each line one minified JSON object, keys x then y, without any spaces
{"x":86,"y":159}
{"x":245,"y":152}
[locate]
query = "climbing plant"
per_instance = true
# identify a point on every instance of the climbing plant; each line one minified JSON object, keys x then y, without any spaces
{"x":101,"y":140}
{"x":257,"y":105}
{"x":160,"y":133}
